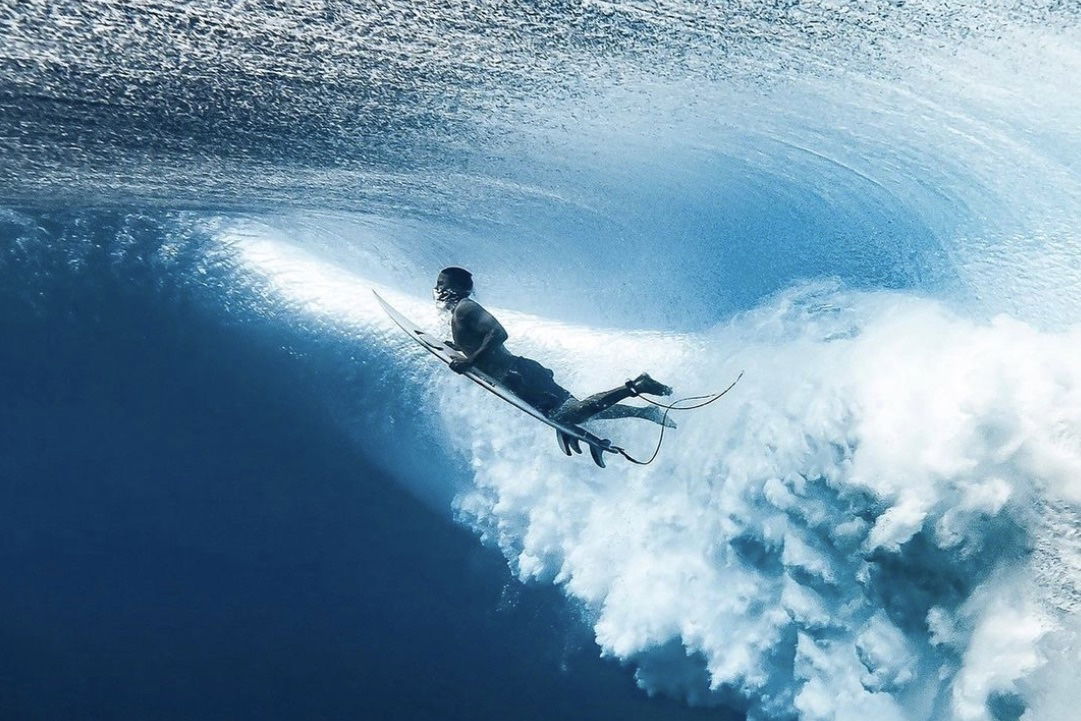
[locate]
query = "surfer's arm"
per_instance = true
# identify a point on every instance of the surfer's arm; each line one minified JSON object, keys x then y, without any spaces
{"x":492,"y":339}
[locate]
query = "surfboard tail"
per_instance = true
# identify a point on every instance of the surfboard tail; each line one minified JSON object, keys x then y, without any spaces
{"x":570,"y":444}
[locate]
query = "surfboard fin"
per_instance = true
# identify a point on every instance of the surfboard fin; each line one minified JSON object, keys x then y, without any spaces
{"x":598,"y":455}
{"x":567,"y":444}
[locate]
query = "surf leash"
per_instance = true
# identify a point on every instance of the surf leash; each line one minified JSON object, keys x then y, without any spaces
{"x":668,"y":408}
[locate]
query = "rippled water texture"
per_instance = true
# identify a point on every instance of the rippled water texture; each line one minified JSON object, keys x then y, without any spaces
{"x":899,"y":144}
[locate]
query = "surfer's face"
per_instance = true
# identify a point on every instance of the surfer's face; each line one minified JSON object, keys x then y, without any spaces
{"x":442,"y":295}
{"x":445,"y":293}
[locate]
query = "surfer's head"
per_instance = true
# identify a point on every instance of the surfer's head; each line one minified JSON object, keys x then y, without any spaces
{"x":452,"y":285}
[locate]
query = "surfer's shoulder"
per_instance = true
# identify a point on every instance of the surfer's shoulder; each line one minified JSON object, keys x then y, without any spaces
{"x":467,"y":308}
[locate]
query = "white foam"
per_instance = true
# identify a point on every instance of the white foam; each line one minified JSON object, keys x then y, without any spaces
{"x":879,"y":521}
{"x":823,"y":540}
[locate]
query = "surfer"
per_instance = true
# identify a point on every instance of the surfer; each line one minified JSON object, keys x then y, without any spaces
{"x":480,"y":337}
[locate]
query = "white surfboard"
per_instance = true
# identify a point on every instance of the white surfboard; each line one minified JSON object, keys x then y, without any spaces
{"x":569,"y":436}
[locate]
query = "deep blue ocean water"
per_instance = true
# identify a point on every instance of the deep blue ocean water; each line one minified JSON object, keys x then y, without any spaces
{"x":230,"y":488}
{"x":187,"y":536}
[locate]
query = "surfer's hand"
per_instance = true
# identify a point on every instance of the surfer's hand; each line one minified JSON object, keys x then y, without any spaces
{"x":450,"y":344}
{"x":461,"y":365}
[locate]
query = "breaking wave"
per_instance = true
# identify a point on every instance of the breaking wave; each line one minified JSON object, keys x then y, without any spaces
{"x":881,"y":519}
{"x":871,"y":208}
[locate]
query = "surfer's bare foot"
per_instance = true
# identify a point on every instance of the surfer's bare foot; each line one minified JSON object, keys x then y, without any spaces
{"x":645,"y":384}
{"x":655,"y":414}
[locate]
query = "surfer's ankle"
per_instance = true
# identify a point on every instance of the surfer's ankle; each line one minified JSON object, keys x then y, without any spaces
{"x":645,"y":384}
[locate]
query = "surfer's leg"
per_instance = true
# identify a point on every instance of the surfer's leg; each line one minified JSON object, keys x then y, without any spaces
{"x":578,"y":411}
{"x":619,"y":410}
{"x":649,"y":413}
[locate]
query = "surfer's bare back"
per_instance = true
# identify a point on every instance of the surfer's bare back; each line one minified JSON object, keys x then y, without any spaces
{"x":480,"y":337}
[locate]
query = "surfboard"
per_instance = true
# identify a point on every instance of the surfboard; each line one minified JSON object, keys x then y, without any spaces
{"x":569,"y":436}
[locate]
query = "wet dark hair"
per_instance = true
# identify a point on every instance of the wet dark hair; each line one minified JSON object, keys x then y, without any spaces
{"x":456,"y":278}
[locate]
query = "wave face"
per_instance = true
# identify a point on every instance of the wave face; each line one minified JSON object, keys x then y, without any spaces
{"x":870,"y":208}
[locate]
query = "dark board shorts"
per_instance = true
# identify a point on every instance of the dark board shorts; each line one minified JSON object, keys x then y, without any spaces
{"x":535,"y":385}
